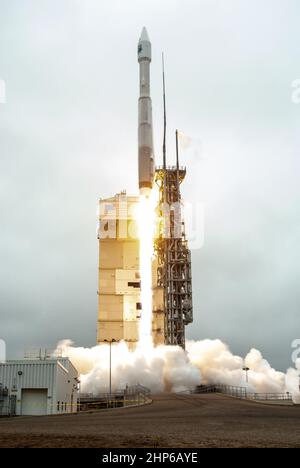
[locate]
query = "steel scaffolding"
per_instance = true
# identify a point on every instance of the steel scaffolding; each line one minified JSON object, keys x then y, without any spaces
{"x":173,"y":256}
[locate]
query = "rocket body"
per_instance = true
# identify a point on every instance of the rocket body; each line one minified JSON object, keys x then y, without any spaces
{"x":145,"y":133}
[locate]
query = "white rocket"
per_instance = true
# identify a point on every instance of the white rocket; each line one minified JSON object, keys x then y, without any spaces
{"x":145,"y":136}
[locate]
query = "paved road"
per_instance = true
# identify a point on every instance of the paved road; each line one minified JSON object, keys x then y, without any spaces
{"x":170,"y":421}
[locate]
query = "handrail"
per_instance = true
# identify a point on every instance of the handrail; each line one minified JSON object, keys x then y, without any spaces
{"x":242,"y":392}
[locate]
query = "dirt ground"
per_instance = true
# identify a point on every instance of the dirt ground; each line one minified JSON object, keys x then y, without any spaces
{"x":169,"y":421}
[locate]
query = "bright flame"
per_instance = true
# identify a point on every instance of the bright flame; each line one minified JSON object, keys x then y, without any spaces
{"x":146,"y":224}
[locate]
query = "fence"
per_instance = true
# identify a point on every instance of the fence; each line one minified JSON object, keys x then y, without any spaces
{"x":130,"y":396}
{"x":242,"y":392}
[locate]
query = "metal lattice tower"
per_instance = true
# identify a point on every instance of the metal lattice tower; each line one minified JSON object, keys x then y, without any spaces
{"x":173,"y":256}
{"x":174,"y":272}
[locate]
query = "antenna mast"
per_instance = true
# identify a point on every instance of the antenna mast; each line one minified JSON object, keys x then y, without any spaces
{"x":165,"y":116}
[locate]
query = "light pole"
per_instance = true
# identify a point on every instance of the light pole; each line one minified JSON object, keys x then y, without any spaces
{"x":78,"y":392}
{"x":110,"y":342}
{"x":246,"y":369}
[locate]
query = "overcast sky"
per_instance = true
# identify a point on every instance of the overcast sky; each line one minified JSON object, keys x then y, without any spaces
{"x":68,"y":135}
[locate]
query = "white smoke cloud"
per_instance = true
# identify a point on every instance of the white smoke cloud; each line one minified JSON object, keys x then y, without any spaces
{"x":292,"y":382}
{"x":170,"y":368}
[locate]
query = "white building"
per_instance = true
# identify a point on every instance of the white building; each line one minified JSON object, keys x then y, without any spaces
{"x":40,"y":387}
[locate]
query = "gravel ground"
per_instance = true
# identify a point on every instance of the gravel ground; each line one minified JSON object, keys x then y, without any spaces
{"x":169,"y":421}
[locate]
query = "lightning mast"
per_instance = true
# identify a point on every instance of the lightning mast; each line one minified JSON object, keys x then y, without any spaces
{"x":173,"y":255}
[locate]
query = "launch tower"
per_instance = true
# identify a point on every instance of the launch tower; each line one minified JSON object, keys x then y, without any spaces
{"x":174,"y":274}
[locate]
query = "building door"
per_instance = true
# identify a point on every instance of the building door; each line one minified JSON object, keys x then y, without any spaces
{"x":34,"y":401}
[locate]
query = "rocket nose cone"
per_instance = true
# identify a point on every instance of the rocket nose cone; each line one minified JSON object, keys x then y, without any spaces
{"x":144,"y":46}
{"x":144,"y":35}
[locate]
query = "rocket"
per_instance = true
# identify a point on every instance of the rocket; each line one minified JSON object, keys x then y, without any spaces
{"x":145,"y":135}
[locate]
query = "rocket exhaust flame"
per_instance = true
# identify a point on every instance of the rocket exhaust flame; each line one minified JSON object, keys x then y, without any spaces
{"x":146,"y":224}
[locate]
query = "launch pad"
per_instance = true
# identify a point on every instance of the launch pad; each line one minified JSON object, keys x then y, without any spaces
{"x":120,"y":305}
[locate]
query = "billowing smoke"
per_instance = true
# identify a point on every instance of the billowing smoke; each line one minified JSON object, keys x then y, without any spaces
{"x":170,"y":368}
{"x":219,"y":365}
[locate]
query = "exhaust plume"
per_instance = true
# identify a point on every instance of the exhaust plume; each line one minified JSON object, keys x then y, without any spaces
{"x":170,"y":368}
